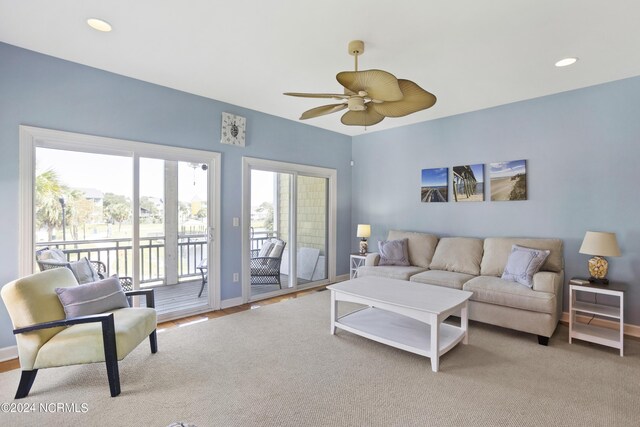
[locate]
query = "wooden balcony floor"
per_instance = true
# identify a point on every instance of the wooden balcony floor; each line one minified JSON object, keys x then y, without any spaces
{"x":184,"y":296}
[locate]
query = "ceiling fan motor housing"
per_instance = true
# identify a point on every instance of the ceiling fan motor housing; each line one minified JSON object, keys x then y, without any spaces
{"x":356,"y":103}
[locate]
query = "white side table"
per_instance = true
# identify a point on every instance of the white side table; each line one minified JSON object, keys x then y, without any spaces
{"x":597,"y":334}
{"x":355,"y":260}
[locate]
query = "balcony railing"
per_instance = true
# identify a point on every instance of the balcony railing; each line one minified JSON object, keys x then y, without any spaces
{"x":117,"y":254}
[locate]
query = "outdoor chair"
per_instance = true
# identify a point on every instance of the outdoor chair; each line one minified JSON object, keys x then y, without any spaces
{"x":265,"y":263}
{"x":47,"y":339}
{"x":55,"y":258}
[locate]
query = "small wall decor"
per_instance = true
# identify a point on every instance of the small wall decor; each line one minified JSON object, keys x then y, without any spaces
{"x":508,"y":180}
{"x":468,"y":183}
{"x":435,"y":185}
{"x":233,"y":129}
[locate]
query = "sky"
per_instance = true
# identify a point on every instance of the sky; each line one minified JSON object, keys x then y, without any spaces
{"x":115,"y":174}
{"x":435,"y":177}
{"x":506,"y":169}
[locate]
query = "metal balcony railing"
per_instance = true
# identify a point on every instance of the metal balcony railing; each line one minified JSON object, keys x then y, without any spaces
{"x":117,"y":254}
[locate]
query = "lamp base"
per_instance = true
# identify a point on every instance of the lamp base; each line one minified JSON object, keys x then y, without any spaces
{"x":599,"y":282}
{"x":363,"y":246}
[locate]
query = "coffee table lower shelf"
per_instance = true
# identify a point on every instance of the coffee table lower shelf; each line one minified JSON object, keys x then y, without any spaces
{"x":399,"y":331}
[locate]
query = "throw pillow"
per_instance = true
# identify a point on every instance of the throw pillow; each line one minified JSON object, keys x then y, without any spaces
{"x":276,"y":252}
{"x":265,"y":249}
{"x":92,"y":298}
{"x":84,"y":271}
{"x":54,"y":254}
{"x":523,"y":263}
{"x":393,"y":252}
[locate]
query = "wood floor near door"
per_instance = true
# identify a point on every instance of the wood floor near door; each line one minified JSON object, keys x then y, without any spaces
{"x":9,"y":365}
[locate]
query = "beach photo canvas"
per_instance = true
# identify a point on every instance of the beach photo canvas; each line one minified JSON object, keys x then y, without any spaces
{"x":435,"y":185}
{"x":468,"y":183}
{"x":508,"y":180}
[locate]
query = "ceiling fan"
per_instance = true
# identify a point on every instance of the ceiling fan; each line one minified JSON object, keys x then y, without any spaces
{"x":370,"y":95}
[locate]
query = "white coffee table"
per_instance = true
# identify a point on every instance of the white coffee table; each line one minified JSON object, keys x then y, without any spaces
{"x":398,"y":311}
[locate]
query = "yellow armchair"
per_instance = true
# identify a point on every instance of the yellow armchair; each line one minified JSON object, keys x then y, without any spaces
{"x":46,"y":339}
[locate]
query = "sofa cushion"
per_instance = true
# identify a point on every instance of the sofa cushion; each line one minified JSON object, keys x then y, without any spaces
{"x":458,"y":254}
{"x":494,"y":290}
{"x":523,"y":263}
{"x":498,"y":249}
{"x":449,"y":279}
{"x":390,"y":271}
{"x":421,"y":246}
{"x":393,"y":252}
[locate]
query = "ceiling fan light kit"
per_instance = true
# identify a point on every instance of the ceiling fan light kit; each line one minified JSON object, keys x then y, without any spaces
{"x":370,"y":95}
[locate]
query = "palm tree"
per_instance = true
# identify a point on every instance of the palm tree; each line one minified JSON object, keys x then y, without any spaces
{"x":48,"y":193}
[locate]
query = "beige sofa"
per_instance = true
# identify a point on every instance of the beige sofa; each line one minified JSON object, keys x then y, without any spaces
{"x":476,"y":265}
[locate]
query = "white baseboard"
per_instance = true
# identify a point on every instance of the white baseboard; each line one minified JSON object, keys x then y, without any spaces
{"x":629,"y":330}
{"x":231,"y":302}
{"x":8,"y":353}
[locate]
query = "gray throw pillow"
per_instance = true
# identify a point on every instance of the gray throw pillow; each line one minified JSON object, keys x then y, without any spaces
{"x":393,"y":252}
{"x":92,"y":298}
{"x":523,"y":263}
{"x":84,"y":271}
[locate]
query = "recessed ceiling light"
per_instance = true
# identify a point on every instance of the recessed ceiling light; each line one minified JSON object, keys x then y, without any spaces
{"x":99,"y":24}
{"x":566,"y":61}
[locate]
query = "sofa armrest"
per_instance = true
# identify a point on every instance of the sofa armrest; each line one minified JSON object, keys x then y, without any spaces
{"x":372,"y":259}
{"x":547,"y":281}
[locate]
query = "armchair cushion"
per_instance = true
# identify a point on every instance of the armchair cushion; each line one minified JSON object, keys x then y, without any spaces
{"x":83,"y":343}
{"x":92,"y":298}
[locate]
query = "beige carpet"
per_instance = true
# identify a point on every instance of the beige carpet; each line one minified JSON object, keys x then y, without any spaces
{"x":278,"y":365}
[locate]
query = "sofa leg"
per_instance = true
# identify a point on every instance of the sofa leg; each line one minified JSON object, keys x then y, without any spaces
{"x":543,"y":340}
{"x":26,"y":381}
{"x":153,"y":340}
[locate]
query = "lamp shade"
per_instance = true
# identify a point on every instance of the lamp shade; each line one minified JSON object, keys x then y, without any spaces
{"x":364,"y":230}
{"x":600,"y":244}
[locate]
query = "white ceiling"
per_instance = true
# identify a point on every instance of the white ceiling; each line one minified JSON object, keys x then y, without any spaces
{"x":471,"y":54}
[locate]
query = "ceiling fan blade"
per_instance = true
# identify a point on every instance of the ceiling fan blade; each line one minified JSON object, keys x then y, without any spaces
{"x":368,"y":117}
{"x":321,"y":111}
{"x":415,"y":99}
{"x":377,"y":83}
{"x":318,"y":95}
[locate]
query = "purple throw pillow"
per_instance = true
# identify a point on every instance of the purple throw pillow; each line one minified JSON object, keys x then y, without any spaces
{"x":394,"y":252}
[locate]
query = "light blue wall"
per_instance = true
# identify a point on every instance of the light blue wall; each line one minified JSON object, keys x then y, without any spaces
{"x":42,"y":91}
{"x":583,"y":163}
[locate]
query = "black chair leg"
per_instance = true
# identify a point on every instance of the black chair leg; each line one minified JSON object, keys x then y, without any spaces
{"x":26,"y":381}
{"x":543,"y":340}
{"x":153,"y":340}
{"x":204,"y":282}
{"x":111,"y":355}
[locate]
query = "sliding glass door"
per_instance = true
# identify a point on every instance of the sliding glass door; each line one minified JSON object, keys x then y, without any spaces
{"x":147,"y":213}
{"x":287,"y":211}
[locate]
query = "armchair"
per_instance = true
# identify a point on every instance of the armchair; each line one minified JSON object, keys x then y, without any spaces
{"x":46,"y":339}
{"x":265,"y":264}
{"x":58,"y":258}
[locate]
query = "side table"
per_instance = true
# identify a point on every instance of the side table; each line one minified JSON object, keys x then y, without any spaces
{"x":355,"y":260}
{"x":597,"y":334}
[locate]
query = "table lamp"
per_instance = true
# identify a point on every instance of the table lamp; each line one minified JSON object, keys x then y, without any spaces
{"x":364,"y":231}
{"x":599,"y":244}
